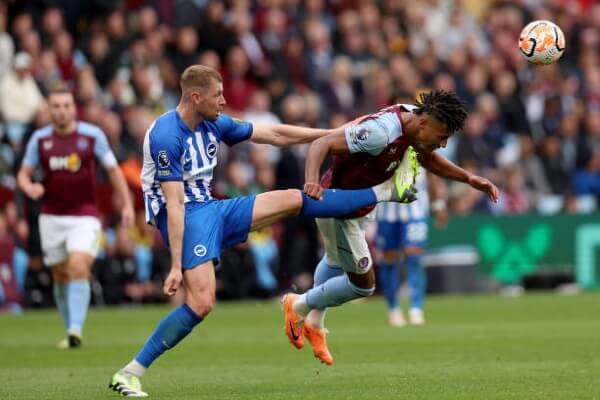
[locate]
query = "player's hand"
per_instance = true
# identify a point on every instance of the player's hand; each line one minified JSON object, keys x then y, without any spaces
{"x":173,"y":281}
{"x":127,"y":216}
{"x":485,"y":186}
{"x":35,"y":191}
{"x":313,"y":190}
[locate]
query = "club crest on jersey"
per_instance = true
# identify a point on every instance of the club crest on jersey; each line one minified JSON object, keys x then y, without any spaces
{"x":82,"y":144}
{"x":211,"y":150}
{"x":363,"y":263}
{"x":163,"y":159}
{"x":47,"y":144}
{"x":200,"y":250}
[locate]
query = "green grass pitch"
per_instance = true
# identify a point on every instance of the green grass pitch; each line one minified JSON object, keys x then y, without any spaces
{"x":540,"y":346}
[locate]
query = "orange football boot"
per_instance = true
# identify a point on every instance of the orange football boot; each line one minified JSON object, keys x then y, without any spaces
{"x":316,"y":337}
{"x":293,"y":322}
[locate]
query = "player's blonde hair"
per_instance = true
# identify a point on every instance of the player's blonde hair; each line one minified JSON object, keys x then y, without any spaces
{"x":58,"y":87}
{"x":198,"y":76}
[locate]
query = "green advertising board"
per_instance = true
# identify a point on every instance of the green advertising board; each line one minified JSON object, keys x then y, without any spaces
{"x":511,"y":247}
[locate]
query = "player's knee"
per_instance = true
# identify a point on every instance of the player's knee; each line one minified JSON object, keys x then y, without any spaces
{"x":363,"y":292}
{"x":79,"y":271}
{"x":201,"y":304}
{"x":294,"y":198}
{"x":60,"y":274}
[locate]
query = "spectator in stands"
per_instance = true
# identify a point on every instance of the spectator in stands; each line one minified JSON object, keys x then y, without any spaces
{"x":20,"y":98}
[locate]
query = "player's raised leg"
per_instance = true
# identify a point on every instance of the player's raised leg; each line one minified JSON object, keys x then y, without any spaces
{"x":272,"y":206}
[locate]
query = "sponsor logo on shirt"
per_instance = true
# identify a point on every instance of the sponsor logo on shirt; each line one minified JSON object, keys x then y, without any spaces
{"x":71,"y":163}
{"x":361,"y":134}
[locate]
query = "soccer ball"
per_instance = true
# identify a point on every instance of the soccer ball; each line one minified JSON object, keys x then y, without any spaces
{"x":542,"y":42}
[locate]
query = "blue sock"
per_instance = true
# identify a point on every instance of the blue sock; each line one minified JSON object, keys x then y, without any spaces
{"x":334,"y":292}
{"x":325,"y":272}
{"x":60,"y":298}
{"x":78,"y":301}
{"x":387,"y":274}
{"x":174,"y":327}
{"x":336,"y":202}
{"x":416,"y":280}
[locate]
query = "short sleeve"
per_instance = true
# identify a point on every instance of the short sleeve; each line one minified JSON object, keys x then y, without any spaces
{"x":233,"y":130}
{"x":166,"y":151}
{"x":366,"y":137}
{"x":32,"y":156}
{"x":102,"y":150}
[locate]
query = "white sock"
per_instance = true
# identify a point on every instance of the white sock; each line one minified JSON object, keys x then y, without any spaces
{"x":316,"y":318}
{"x":134,"y":368}
{"x":383,"y":191}
{"x":300,"y":305}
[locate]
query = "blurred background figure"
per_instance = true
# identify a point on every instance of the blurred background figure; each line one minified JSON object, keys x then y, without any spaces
{"x":401,"y":239}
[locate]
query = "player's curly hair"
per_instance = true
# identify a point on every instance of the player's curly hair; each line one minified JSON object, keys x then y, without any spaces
{"x":445,"y":106}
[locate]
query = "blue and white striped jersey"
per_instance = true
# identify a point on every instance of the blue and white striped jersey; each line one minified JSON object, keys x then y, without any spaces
{"x":172,"y":152}
{"x":398,"y":212}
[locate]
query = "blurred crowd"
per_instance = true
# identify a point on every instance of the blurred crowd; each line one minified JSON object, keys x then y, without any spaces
{"x":535,"y":131}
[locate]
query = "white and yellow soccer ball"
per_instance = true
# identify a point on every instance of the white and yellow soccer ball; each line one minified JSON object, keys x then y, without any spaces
{"x":542,"y":42}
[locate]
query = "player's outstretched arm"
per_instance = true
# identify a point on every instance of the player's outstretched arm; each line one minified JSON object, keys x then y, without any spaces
{"x":174,"y":194}
{"x":118,"y":182}
{"x":283,"y":135}
{"x":318,"y":151}
{"x":439,"y":165}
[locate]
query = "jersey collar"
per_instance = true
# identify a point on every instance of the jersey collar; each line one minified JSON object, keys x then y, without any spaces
{"x":182,"y":125}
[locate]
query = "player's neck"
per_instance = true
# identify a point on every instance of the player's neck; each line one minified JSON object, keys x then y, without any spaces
{"x":65,"y":130}
{"x":410,"y":125}
{"x":189,"y":116}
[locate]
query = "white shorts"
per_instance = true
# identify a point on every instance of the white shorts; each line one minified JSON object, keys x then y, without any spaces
{"x":346,"y":243}
{"x":61,"y":235}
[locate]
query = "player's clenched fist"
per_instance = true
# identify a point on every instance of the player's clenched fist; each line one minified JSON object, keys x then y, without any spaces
{"x":313,"y":190}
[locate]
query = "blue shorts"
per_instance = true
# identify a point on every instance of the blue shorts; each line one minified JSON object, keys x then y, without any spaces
{"x":211,"y":227}
{"x":397,"y":235}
